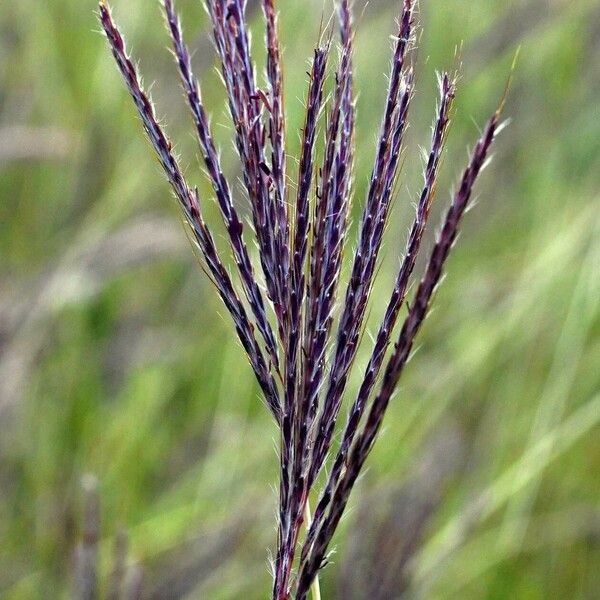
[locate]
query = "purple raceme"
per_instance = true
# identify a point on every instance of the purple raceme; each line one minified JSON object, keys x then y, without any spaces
{"x":305,"y":350}
{"x":221,"y":188}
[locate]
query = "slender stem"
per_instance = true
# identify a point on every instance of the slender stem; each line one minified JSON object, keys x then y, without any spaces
{"x":315,"y":588}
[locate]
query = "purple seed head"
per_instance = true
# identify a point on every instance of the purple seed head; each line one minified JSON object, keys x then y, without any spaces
{"x":300,"y":346}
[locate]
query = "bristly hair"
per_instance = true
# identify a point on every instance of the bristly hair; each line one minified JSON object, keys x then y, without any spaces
{"x":301,"y":239}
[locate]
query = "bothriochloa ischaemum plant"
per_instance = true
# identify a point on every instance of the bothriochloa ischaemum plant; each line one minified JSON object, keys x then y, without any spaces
{"x":299,"y":321}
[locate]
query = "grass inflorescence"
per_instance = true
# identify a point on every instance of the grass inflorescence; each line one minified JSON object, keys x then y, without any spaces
{"x":300,"y":347}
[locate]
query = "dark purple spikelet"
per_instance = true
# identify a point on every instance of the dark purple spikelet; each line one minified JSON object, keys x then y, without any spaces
{"x":245,"y":103}
{"x":305,"y":350}
{"x":277,"y":137}
{"x":290,"y":489}
{"x":330,"y":221}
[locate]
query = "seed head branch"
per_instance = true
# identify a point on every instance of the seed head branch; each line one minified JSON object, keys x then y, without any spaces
{"x":414,"y":320}
{"x":371,"y":231}
{"x":210,"y":155}
{"x":190,"y":204}
{"x":395,"y":303}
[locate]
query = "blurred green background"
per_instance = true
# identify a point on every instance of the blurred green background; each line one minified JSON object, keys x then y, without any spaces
{"x":114,"y":358}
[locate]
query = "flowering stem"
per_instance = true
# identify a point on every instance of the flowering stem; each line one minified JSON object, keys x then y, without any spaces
{"x":315,"y":588}
{"x":304,"y":370}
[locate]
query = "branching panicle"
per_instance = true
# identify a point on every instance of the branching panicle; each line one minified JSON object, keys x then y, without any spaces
{"x":300,"y":244}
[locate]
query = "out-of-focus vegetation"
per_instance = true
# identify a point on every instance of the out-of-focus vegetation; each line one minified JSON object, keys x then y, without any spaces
{"x":114,"y":360}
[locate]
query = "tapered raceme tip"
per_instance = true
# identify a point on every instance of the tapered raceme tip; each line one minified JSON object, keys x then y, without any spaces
{"x":302,"y":355}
